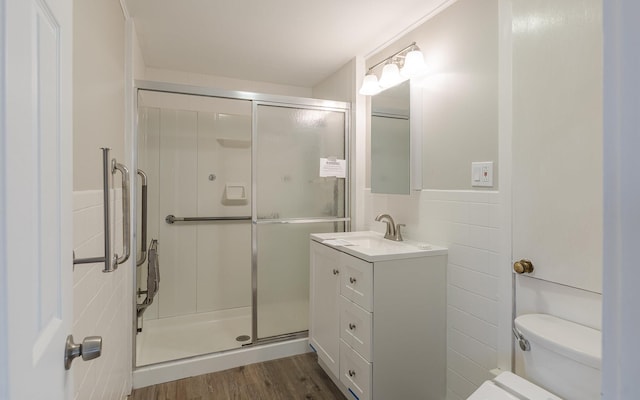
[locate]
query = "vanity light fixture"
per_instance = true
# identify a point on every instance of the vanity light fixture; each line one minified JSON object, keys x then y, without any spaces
{"x":398,"y":67}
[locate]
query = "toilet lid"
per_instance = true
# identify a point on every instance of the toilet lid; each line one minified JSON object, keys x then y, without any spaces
{"x":505,"y":387}
{"x":523,"y":387}
{"x":490,"y":391}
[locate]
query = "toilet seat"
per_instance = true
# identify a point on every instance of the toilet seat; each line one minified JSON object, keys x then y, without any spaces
{"x":509,"y":386}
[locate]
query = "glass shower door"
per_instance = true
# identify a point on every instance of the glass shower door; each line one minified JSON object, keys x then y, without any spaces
{"x":291,"y":201}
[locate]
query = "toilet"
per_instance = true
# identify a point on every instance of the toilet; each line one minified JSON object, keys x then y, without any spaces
{"x":562,"y":361}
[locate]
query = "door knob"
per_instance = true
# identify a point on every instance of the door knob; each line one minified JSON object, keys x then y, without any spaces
{"x":90,"y":348}
{"x":523,"y":266}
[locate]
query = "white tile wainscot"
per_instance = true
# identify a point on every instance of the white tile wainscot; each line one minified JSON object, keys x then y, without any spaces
{"x":470,"y":224}
{"x":101,"y":303}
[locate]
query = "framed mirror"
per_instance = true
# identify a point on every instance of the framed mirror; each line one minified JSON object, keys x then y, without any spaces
{"x":391,"y":140}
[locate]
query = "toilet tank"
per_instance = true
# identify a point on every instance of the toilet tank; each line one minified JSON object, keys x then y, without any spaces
{"x":564,"y":358}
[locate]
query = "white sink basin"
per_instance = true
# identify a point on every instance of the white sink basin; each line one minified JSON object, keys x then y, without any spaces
{"x":372,"y":246}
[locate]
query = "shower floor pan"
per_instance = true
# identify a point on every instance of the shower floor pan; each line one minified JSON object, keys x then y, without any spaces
{"x":174,"y":338}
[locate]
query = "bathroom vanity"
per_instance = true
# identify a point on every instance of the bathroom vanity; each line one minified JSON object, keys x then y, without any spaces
{"x":377,"y":315}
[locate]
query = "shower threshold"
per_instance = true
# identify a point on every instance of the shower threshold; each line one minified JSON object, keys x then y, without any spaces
{"x":175,"y":338}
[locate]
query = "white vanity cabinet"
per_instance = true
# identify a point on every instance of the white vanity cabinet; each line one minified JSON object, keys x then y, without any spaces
{"x":378,"y":322}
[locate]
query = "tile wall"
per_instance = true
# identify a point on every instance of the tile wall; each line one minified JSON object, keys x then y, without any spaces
{"x":101,"y":304}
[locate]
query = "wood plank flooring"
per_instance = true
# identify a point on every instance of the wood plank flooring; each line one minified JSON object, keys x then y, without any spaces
{"x":291,"y":378}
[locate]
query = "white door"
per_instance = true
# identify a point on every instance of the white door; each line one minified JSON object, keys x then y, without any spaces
{"x":557,"y":141}
{"x":35,"y":215}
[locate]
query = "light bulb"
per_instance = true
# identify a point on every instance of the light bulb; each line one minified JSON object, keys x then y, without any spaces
{"x":390,"y":76}
{"x":370,"y":86}
{"x":413,"y":64}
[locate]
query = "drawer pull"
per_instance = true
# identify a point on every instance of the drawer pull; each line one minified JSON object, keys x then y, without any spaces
{"x":352,"y":373}
{"x":352,"y":280}
{"x":352,"y":326}
{"x":335,"y":271}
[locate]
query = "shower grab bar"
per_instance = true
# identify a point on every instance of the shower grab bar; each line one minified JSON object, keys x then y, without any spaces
{"x":143,"y":235}
{"x":126,"y":212}
{"x":170,"y":219}
{"x":106,"y":259}
{"x":111,"y":264}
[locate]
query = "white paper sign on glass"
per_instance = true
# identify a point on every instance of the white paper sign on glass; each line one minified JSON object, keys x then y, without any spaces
{"x":333,"y":167}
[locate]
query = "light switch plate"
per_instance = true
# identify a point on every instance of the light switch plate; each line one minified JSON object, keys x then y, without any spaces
{"x":482,"y":174}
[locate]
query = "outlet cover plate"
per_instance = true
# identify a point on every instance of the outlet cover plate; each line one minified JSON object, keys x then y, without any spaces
{"x":482,"y":174}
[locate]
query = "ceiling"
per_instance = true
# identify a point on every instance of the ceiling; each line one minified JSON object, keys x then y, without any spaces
{"x":290,"y":42}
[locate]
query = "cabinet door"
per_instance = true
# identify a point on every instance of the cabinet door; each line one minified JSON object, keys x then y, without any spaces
{"x":324,"y":324}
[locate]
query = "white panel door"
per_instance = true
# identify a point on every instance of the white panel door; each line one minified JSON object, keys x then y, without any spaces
{"x":557,"y":140}
{"x":35,"y":217}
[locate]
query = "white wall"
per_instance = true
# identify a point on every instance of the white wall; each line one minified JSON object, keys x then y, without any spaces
{"x":460,"y":91}
{"x":101,"y":302}
{"x":98,"y":88}
{"x":340,"y":86}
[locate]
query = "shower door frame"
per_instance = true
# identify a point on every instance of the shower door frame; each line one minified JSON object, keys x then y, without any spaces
{"x":254,"y":204}
{"x":257,"y":99}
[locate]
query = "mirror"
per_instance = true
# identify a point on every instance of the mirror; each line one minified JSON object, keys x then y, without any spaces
{"x":390,"y":141}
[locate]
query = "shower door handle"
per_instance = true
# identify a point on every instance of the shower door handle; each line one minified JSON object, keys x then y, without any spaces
{"x":126,"y":213}
{"x":143,"y":234}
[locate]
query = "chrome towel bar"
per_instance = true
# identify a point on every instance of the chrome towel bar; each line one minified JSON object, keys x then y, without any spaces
{"x":170,"y":219}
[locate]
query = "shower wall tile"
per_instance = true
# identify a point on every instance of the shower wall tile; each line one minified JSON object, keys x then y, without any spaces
{"x":470,"y":224}
{"x":102,"y":304}
{"x":224,"y":266}
{"x":178,"y":196}
{"x":223,"y":249}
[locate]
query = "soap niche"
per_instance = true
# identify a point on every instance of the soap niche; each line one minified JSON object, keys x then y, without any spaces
{"x":235,"y":194}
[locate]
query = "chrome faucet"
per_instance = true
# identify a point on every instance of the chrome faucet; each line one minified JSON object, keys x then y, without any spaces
{"x":393,"y":231}
{"x":391,"y":226}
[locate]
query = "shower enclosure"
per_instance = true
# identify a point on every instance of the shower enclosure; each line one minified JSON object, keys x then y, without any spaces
{"x":234,"y":191}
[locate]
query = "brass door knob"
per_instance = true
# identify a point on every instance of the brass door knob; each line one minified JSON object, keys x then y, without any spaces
{"x":523,"y":266}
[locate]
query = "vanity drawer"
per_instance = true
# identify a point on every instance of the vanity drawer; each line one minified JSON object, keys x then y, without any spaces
{"x":356,"y":327}
{"x":356,"y":281}
{"x":355,"y":372}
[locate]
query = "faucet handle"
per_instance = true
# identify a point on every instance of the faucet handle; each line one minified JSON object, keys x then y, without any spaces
{"x":398,"y":237}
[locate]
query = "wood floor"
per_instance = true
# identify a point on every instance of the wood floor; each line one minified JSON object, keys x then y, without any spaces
{"x":291,"y":378}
